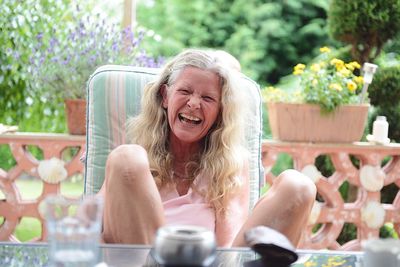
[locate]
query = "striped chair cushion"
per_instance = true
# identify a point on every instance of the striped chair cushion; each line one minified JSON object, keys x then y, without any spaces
{"x":114,"y":94}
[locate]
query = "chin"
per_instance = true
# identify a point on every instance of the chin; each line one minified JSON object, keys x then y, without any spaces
{"x":188,"y":138}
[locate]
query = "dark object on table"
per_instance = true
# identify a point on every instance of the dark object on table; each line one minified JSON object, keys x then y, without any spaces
{"x":273,"y":247}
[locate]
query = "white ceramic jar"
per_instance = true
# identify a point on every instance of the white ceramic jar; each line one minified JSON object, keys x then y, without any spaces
{"x":380,"y":129}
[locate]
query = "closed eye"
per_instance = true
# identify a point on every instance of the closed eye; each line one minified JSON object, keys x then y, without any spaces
{"x":184,"y":91}
{"x":208,"y":98}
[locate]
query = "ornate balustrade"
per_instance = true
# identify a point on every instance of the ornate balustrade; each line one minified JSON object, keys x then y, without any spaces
{"x":53,"y":167}
{"x":367,"y":169}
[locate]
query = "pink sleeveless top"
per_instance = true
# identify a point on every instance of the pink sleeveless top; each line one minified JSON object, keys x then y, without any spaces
{"x":188,"y":209}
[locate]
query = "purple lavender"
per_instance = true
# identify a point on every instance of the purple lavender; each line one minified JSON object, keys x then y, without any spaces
{"x":62,"y":61}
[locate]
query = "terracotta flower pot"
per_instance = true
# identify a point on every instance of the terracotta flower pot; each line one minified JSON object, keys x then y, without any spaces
{"x":75,"y":112}
{"x":305,"y":123}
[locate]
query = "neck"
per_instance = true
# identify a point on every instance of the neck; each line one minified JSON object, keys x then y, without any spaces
{"x":183,"y":152}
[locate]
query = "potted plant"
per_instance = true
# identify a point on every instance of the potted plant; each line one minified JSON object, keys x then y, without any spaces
{"x":324,"y":108}
{"x":63,"y":59}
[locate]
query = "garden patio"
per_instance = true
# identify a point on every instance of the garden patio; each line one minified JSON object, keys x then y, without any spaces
{"x":358,"y":197}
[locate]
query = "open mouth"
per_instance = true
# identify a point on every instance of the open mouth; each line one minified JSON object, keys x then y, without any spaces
{"x":189,"y":119}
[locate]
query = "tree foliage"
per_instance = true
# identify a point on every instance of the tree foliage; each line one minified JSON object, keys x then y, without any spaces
{"x":366,"y":25}
{"x":41,"y":40}
{"x":384,"y":93}
{"x":20,"y":21}
{"x":385,"y":88}
{"x":268,"y":37}
{"x":372,"y":28}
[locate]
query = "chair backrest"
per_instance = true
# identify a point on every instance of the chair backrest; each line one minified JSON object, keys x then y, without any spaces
{"x":114,"y":94}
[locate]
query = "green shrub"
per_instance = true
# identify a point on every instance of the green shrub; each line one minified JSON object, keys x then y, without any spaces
{"x":267,"y":36}
{"x":387,"y":231}
{"x":366,"y":25}
{"x":19,"y":22}
{"x":31,"y":32}
{"x":348,"y":233}
{"x":384,"y":90}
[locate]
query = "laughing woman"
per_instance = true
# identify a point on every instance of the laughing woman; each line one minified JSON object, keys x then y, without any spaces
{"x":186,"y":163}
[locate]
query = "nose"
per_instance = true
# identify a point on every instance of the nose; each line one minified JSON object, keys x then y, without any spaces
{"x":194,"y":102}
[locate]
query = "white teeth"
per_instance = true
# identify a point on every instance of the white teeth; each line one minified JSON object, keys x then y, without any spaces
{"x":188,"y":117}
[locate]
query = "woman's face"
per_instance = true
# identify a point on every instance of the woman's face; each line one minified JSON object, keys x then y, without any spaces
{"x":193,"y":103}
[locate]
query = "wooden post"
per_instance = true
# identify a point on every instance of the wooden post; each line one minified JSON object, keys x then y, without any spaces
{"x":129,"y":17}
{"x":128,"y":21}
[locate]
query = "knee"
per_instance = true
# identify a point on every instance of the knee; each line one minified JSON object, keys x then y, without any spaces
{"x":128,"y":162}
{"x":296,"y":186}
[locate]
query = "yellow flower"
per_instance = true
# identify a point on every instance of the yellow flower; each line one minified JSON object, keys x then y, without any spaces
{"x":335,"y":262}
{"x":299,"y":69}
{"x":339,"y":64}
{"x":273,"y":94}
{"x":349,"y":66}
{"x":297,"y":96}
{"x":325,"y":49}
{"x":333,"y":61}
{"x":315,"y":67}
{"x":328,"y":81}
{"x":355,"y":64}
{"x":309,"y":264}
{"x":345,"y":72}
{"x":359,"y":79}
{"x":352,"y":86}
{"x":300,"y":66}
{"x":298,"y":72}
{"x":335,"y":86}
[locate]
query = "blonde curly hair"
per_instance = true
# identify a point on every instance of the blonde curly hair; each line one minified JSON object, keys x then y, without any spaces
{"x":223,"y":154}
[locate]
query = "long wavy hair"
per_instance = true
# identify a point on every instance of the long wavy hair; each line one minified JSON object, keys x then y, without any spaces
{"x":222,"y":155}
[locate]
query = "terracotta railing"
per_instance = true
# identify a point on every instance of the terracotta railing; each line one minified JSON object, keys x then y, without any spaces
{"x":53,"y":146}
{"x":330,"y":212}
{"x":375,"y":167}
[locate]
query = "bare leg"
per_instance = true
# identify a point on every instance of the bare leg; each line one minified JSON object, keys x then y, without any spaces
{"x":285,"y":207}
{"x":133,"y":209}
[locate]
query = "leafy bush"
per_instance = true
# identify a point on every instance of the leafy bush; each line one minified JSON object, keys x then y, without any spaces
{"x":267,"y":36}
{"x":384,"y":90}
{"x":23,"y":101}
{"x":366,"y":25}
{"x":19,"y":22}
{"x":384,"y":93}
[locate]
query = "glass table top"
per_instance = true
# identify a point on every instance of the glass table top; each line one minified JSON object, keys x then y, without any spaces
{"x":36,"y":254}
